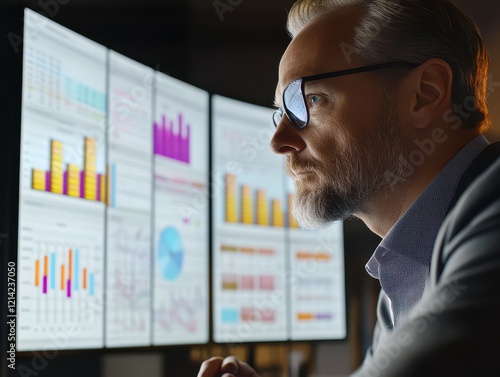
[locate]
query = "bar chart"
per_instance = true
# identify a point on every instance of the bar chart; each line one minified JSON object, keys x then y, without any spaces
{"x":317,"y":306}
{"x":245,"y":282}
{"x":71,"y":278}
{"x":172,"y":139}
{"x":250,"y":220}
{"x":180,"y":233}
{"x":70,"y":180}
{"x":61,"y":291}
{"x":245,"y":205}
{"x":250,"y":287}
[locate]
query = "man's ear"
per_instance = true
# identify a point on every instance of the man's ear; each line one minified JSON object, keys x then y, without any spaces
{"x":430,"y":86}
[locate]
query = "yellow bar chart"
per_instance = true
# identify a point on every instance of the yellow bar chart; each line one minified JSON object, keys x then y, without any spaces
{"x":251,"y":206}
{"x":68,"y":179}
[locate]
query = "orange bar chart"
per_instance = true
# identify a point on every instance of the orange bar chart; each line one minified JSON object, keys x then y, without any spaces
{"x":62,"y":277}
{"x":307,"y":316}
{"x":69,"y":271}
{"x":37,"y":273}
{"x":247,"y":250}
{"x":310,"y":255}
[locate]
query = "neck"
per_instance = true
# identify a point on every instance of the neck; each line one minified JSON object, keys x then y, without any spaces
{"x":385,"y":209}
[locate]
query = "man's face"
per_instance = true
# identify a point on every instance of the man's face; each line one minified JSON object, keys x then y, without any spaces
{"x":349,"y":151}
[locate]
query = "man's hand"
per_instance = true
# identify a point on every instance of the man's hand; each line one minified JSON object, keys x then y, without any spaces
{"x":228,"y":367}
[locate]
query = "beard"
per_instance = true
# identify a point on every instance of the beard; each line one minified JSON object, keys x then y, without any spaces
{"x":359,"y":171}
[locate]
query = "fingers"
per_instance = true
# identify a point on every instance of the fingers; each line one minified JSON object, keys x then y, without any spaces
{"x":232,"y":367}
{"x":228,"y":367}
{"x":211,"y":367}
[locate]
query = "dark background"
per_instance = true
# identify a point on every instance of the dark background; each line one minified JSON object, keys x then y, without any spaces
{"x":234,"y":53}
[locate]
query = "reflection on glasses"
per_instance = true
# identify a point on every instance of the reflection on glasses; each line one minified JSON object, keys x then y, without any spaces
{"x":294,"y":102}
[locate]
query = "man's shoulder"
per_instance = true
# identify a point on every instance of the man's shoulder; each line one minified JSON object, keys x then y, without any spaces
{"x":480,"y":193}
{"x":454,"y":330}
{"x":473,"y":223}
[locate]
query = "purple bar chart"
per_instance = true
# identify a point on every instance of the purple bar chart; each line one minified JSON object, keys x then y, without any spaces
{"x":172,"y":140}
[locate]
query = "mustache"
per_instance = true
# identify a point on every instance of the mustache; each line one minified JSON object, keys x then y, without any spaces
{"x":298,"y":165}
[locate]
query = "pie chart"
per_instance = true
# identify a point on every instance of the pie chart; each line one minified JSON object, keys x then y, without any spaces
{"x":170,"y":253}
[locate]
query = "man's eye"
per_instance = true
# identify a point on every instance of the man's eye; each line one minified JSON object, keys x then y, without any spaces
{"x":313,"y":99}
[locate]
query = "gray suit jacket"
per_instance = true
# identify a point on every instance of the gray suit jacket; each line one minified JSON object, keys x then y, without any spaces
{"x":455,"y":329}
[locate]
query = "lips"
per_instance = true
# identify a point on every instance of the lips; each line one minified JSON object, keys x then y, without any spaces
{"x":297,"y":168}
{"x":303,"y":172}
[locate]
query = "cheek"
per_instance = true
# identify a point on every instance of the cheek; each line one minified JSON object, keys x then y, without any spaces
{"x":330,"y":141}
{"x":363,"y":111}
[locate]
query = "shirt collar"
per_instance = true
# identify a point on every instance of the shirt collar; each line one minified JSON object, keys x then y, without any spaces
{"x":415,"y":232}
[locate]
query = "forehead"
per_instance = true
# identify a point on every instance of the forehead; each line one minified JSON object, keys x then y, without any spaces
{"x":322,"y":46}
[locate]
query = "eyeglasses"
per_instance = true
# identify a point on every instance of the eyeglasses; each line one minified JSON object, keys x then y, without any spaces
{"x":294,"y":101}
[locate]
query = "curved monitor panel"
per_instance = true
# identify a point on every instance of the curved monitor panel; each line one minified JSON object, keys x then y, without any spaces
{"x":113,"y":243}
{"x":129,"y":203}
{"x":271,"y":280}
{"x":62,"y":188}
{"x":181,"y":246}
{"x":249,"y":260}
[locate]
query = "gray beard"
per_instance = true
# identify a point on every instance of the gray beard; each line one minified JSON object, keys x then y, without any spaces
{"x":358,"y":175}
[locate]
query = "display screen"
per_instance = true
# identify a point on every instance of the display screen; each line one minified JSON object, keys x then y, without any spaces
{"x":181,"y":264}
{"x":249,"y":259}
{"x":316,"y":281}
{"x":129,"y":210}
{"x":115,"y":230}
{"x":113,"y":244}
{"x":62,"y":189}
{"x":271,"y":280}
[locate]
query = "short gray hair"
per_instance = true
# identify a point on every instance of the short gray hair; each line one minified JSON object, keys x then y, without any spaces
{"x":415,"y":31}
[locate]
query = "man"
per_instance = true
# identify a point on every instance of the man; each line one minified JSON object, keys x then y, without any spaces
{"x":388,"y":129}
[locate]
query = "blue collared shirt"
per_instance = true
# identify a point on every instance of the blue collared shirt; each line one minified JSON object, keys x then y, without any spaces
{"x":402,"y":259}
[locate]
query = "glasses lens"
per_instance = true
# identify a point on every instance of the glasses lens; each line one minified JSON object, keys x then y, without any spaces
{"x":293,"y":102}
